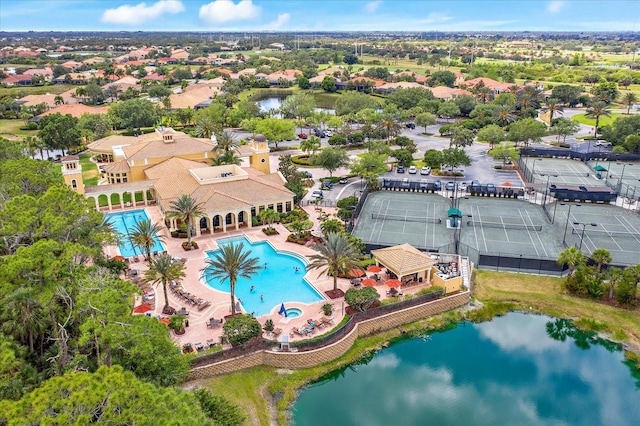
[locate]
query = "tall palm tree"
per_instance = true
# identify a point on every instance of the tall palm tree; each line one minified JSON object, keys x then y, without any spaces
{"x":392,"y":128}
{"x":504,"y":114}
{"x":230,"y":262}
{"x":205,"y":127}
{"x":336,"y":256}
{"x":601,"y":256}
{"x":310,"y":145}
{"x":552,"y":106}
{"x":23,"y":317}
{"x":268,"y":216}
{"x":188,"y":210}
{"x":597,"y":110}
{"x":226,"y":142}
{"x":229,"y":157}
{"x":572,"y":257}
{"x":615,"y":276}
{"x":162,"y":270}
{"x":143,"y":235}
{"x":629,"y":99}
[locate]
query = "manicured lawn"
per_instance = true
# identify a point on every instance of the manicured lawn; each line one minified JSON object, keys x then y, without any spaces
{"x":12,"y":127}
{"x":604,"y":121}
{"x":56,"y":89}
{"x":90,"y":172}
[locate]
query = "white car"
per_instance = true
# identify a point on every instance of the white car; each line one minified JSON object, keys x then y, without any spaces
{"x":603,"y":143}
{"x":425,"y":170}
{"x":413,"y":170}
{"x":462,"y":187}
{"x":406,"y":183}
{"x":317,"y":194}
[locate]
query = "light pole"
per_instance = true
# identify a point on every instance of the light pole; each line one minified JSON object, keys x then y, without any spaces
{"x":533,"y":170}
{"x":622,"y":175}
{"x":584,"y":226}
{"x":566,"y":225}
{"x":546,"y":189}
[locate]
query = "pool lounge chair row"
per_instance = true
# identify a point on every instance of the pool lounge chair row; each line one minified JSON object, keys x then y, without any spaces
{"x":192,"y":299}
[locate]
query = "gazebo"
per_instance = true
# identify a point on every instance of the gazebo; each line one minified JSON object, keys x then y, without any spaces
{"x":407,"y":262}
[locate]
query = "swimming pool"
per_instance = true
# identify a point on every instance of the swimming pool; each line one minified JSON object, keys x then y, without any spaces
{"x":294,"y":312}
{"x":123,"y":222}
{"x":278,"y":283}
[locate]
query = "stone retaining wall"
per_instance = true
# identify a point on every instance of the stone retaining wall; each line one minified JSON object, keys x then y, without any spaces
{"x":330,"y":352}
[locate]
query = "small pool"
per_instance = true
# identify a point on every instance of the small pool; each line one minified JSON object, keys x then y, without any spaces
{"x":294,"y":312}
{"x":281,"y":281}
{"x":123,"y":222}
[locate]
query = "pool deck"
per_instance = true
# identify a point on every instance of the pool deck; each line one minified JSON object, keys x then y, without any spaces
{"x":197,"y":331}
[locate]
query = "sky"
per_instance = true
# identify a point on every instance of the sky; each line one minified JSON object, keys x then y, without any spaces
{"x":320,"y":15}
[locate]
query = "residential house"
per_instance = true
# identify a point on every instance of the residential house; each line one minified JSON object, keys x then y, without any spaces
{"x":448,"y":93}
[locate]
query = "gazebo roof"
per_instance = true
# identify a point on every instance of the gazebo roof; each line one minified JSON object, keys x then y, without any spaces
{"x":403,"y":259}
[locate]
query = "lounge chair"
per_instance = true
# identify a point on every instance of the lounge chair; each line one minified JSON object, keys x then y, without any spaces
{"x":296,"y":330}
{"x":211,"y":343}
{"x":312,"y":323}
{"x":327,"y":320}
{"x":204,"y":305}
{"x":276,"y":332}
{"x":199,"y":346}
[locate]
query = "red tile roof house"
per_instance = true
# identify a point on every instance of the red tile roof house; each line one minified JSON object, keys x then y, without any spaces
{"x":495,"y":86}
{"x":18,"y":80}
{"x":291,"y":76}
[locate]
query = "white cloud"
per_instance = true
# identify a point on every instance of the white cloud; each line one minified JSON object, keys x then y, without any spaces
{"x":283,"y":18}
{"x":141,"y":12}
{"x":436,"y":17}
{"x":220,"y":11}
{"x":372,"y":6}
{"x":555,"y":6}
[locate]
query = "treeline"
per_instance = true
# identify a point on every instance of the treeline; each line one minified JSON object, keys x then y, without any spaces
{"x":72,"y":353}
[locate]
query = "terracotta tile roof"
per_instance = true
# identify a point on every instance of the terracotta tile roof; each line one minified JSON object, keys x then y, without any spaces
{"x":444,"y":92}
{"x":403,"y":259}
{"x":75,"y":110}
{"x":48,"y":98}
{"x":152,"y":145}
{"x":194,"y":95}
{"x":117,"y":167}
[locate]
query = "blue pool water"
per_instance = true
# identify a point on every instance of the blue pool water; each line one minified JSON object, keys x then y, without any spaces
{"x":277,"y":283}
{"x":123,"y":223}
{"x":293,"y":312}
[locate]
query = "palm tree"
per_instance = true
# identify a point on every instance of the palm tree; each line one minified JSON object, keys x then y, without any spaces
{"x":58,"y":100}
{"x":504,"y":114}
{"x":629,"y":99}
{"x":615,"y":276}
{"x":600,"y":256}
{"x":310,"y":145}
{"x":392,"y":128}
{"x":226,"y":142}
{"x":143,"y":235}
{"x":23,"y":317}
{"x":230,"y":262}
{"x":229,"y":157}
{"x":572,"y":257}
{"x":552,"y":106}
{"x":596,"y":111}
{"x":205,"y":127}
{"x":336,"y":256}
{"x":162,"y":270}
{"x":269,"y":216}
{"x":188,"y":210}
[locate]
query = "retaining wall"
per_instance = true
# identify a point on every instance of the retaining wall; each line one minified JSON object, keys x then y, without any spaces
{"x":328,"y":353}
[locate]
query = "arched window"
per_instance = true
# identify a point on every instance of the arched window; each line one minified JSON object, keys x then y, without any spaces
{"x":74,"y":184}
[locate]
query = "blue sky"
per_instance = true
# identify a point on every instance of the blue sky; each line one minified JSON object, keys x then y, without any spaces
{"x":327,"y":15}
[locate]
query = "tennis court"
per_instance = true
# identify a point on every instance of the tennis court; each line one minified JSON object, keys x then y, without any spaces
{"x":623,"y":176}
{"x":509,"y":227}
{"x":390,"y":218}
{"x":561,"y":172}
{"x":608,"y":227}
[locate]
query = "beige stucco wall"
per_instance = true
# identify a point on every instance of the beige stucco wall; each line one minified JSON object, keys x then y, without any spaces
{"x":334,"y":351}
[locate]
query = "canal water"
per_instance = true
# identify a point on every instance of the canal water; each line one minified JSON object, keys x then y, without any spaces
{"x":515,"y":370}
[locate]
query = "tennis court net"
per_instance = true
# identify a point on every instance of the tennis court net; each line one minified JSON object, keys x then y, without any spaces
{"x":520,"y":226}
{"x":605,"y":233}
{"x":543,"y":179}
{"x":406,"y":218}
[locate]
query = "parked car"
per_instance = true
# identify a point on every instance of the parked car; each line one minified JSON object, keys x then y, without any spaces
{"x":303,"y":135}
{"x":317,"y":194}
{"x":319,"y":132}
{"x":327,"y":182}
{"x":328,"y":133}
{"x":306,"y":174}
{"x":462,"y":187}
{"x":450,"y":186}
{"x":437,"y":185}
{"x":413,"y":170}
{"x":425,"y":170}
{"x":603,"y":143}
{"x":424,"y":184}
{"x":491,"y":188}
{"x":406,"y":183}
{"x":400,"y":169}
{"x":344,"y":180}
{"x":475,"y":182}
{"x":411,"y":125}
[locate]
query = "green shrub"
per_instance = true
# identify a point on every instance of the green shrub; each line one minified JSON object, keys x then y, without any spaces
{"x":302,"y":160}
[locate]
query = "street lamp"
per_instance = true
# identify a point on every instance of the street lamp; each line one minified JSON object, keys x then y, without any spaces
{"x":566,"y":225}
{"x":622,"y":175}
{"x":533,"y":170}
{"x":584,"y":226}
{"x":546,"y":189}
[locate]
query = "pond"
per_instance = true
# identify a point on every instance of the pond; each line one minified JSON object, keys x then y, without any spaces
{"x":274,"y":103}
{"x":516,"y":369}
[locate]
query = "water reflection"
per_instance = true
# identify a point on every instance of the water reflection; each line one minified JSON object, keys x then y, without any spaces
{"x":516,"y":369}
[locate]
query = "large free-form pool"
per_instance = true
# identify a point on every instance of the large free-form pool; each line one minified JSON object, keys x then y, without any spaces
{"x":124,"y":223}
{"x":281,"y":281}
